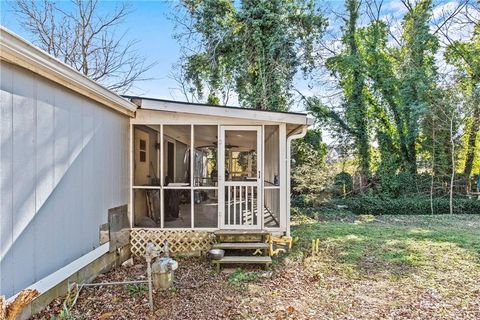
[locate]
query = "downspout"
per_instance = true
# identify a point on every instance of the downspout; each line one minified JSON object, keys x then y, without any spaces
{"x":288,"y":159}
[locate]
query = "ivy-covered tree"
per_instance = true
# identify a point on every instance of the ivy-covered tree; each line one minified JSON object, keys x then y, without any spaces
{"x":465,"y":56}
{"x":389,"y":122}
{"x":387,"y":89}
{"x":251,"y":47}
{"x":348,"y":68}
{"x":417,"y":72}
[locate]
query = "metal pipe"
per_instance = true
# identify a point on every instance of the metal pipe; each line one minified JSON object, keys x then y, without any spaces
{"x":289,"y":147}
{"x":114,"y":283}
{"x":150,"y":296}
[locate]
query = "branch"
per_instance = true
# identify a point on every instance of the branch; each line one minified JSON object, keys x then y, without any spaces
{"x":321,"y":111}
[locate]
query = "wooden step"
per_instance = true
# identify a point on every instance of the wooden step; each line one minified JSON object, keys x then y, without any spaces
{"x":240,"y":245}
{"x":240,"y":232}
{"x":242,"y":260}
{"x":244,"y":235}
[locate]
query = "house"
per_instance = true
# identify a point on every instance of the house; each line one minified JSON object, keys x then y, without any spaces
{"x":71,"y":150}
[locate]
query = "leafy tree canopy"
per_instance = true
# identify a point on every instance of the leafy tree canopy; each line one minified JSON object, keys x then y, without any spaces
{"x":253,"y":47}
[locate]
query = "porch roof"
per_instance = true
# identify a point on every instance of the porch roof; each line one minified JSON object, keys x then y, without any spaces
{"x":295,"y":118}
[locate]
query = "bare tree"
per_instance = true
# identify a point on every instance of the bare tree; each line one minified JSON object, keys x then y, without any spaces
{"x":86,"y":40}
{"x":184,"y":87}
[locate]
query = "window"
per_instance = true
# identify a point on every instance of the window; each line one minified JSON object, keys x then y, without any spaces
{"x":143,"y":150}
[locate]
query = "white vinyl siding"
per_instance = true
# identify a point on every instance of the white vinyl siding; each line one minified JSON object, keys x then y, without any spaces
{"x":63,"y":164}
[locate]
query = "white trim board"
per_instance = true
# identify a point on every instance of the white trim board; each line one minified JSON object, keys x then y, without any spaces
{"x":53,"y":279}
{"x":228,"y":112}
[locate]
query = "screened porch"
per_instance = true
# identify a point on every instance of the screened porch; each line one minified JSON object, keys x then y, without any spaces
{"x":209,"y":167}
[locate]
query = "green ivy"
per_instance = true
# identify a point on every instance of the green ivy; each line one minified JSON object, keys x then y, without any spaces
{"x":413,"y":205}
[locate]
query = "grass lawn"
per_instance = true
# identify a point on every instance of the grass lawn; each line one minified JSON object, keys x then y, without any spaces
{"x":394,"y":266}
{"x":386,"y":267}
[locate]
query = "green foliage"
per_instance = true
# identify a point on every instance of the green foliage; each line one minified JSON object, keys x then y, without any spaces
{"x":254,"y":47}
{"x":307,"y":200}
{"x":310,"y":149}
{"x":441,"y":125}
{"x":395,"y":116}
{"x":411,"y":205}
{"x":343,"y":183}
{"x":63,"y":315}
{"x":240,"y":276}
{"x":348,"y":67}
{"x":309,"y":173}
{"x":465,"y":56}
{"x":135,"y":290}
{"x":403,"y":184}
{"x":387,"y":89}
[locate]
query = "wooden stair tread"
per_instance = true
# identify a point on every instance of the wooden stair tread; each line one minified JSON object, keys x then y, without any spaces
{"x":240,"y":245}
{"x":244,"y":259}
{"x":240,"y":232}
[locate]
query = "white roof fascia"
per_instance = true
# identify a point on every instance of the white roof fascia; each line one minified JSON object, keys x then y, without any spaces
{"x":15,"y":50}
{"x":232,"y":112}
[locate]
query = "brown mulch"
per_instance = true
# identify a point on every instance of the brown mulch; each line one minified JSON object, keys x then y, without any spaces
{"x":310,"y":288}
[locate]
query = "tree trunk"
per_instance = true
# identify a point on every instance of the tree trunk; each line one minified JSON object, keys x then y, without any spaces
{"x":452,"y":178}
{"x":412,"y":158}
{"x":433,"y":170}
{"x":472,"y":147}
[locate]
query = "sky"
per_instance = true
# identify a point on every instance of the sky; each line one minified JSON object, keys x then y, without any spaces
{"x":150,"y":25}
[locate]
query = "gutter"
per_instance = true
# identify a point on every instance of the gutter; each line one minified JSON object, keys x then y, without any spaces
{"x":290,"y":138}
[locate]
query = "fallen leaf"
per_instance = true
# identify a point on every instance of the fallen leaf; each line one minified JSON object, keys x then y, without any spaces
{"x":105,"y":315}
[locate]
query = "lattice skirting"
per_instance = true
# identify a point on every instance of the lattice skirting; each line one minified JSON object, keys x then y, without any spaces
{"x":180,"y":241}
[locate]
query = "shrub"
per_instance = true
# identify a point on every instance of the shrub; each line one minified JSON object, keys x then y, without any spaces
{"x":343,"y":183}
{"x":375,"y":205}
{"x":308,"y":200}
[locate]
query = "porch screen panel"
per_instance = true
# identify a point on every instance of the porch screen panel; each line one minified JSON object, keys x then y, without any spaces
{"x":176,"y":155}
{"x":205,"y":208}
{"x":146,"y":153}
{"x":271,"y":208}
{"x":205,"y":172}
{"x":177,"y":208}
{"x":271,"y":200}
{"x":146,"y":204}
{"x":272,"y":156}
{"x":146,"y":193}
{"x":205,"y":176}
